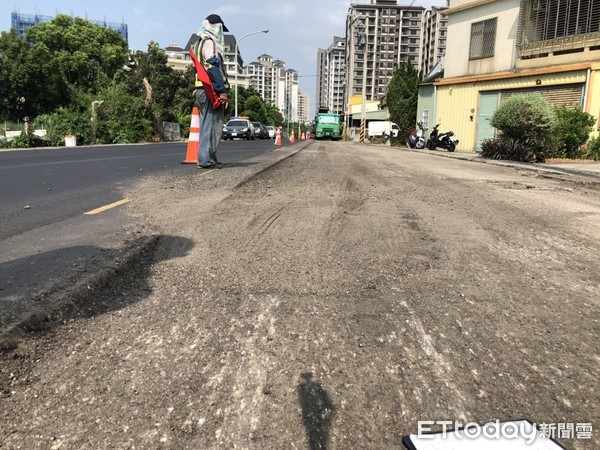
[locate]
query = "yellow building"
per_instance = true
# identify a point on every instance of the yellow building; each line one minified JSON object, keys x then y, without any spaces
{"x":514,"y":47}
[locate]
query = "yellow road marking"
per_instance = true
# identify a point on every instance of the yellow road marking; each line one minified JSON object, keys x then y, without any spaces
{"x":107,"y":207}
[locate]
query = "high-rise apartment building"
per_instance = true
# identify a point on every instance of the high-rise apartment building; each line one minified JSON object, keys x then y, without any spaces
{"x":321,"y":91}
{"x":303,"y":107}
{"x":331,"y":76}
{"x":379,"y":36}
{"x":435,"y":33}
{"x":266,"y":77}
{"x":275,"y":84}
{"x":290,"y":111}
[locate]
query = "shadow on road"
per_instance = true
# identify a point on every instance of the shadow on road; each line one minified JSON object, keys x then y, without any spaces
{"x":25,"y":277}
{"x":239,"y":164}
{"x":317,"y":411}
{"x":108,"y":281}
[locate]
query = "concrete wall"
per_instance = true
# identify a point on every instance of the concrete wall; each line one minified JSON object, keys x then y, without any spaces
{"x":459,"y":37}
{"x":427,"y":103}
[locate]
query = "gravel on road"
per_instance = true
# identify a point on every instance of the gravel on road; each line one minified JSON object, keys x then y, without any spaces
{"x":332,"y":300}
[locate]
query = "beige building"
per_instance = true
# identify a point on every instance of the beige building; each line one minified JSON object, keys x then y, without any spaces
{"x":303,"y":107}
{"x":177,"y":58}
{"x":516,"y":46}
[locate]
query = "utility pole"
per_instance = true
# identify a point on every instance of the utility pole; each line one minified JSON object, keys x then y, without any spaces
{"x":358,"y":22}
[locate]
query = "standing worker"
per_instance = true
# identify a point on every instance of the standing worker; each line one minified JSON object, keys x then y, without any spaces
{"x":209,"y":53}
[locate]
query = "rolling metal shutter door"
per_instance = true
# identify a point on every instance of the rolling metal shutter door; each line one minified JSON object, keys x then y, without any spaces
{"x":569,"y":95}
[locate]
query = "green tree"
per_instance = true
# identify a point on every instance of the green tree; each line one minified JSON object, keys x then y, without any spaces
{"x":123,"y":118}
{"x":56,"y":59}
{"x":160,"y":85}
{"x":275,"y":118}
{"x":402,"y":97}
{"x":71,"y":52}
{"x":12,"y":76}
{"x":259,"y":110}
{"x":255,"y":109}
{"x":164,"y":80}
{"x":71,"y":120}
{"x":243,"y":94}
{"x":184,"y":100}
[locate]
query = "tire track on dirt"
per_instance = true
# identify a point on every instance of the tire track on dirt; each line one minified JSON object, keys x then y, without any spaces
{"x":346,"y":207}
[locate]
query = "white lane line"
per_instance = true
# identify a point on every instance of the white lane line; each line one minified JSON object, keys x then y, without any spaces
{"x":107,"y":207}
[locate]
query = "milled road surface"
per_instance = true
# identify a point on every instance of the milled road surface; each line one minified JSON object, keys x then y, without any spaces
{"x":331,"y":301}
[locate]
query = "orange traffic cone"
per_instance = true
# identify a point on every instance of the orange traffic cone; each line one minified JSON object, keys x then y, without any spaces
{"x":194,"y":140}
{"x":303,"y":136}
{"x":292,"y":139}
{"x":278,"y":137}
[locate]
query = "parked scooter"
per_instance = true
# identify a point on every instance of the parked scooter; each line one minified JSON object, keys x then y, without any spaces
{"x":444,"y":140}
{"x":416,"y":137}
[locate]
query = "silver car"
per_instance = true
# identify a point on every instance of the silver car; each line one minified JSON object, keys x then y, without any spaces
{"x":238,"y":128}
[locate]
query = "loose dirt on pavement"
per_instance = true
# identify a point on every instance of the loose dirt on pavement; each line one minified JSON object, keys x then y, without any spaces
{"x":331,"y":301}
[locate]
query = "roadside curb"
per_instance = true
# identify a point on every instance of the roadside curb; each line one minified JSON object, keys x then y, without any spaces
{"x":267,"y":165}
{"x":68,"y":296}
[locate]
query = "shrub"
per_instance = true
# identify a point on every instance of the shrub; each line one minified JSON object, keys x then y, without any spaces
{"x":123,"y":118}
{"x":572,"y":130}
{"x":377,"y":140}
{"x":505,"y":149}
{"x":24,"y":141}
{"x":65,"y":122}
{"x":526,"y":119}
{"x":19,"y":141}
{"x":592,"y":149}
{"x":398,"y":141}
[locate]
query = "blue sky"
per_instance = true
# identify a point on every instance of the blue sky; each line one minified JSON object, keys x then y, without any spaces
{"x":297,"y":28}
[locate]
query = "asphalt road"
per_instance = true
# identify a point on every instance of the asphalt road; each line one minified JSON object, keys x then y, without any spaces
{"x":47,"y":195}
{"x":41,"y":187}
{"x":331,"y":300}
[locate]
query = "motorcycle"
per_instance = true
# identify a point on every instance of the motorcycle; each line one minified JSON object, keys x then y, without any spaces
{"x":415,"y":139}
{"x":444,"y":140}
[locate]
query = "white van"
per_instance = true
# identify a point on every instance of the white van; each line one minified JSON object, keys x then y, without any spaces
{"x":381,"y":128}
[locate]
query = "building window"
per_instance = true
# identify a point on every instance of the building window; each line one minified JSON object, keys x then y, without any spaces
{"x":483,"y":39}
{"x":425,"y":118}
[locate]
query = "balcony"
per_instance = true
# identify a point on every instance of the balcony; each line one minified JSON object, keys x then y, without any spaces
{"x":570,"y":44}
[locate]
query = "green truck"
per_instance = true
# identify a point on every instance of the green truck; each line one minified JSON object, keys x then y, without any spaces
{"x":327,"y":125}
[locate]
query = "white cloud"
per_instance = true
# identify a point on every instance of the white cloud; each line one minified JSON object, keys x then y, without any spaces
{"x":231,"y":10}
{"x":140,"y":9}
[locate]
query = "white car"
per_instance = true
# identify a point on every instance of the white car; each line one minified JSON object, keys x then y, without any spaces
{"x":271,"y":131}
